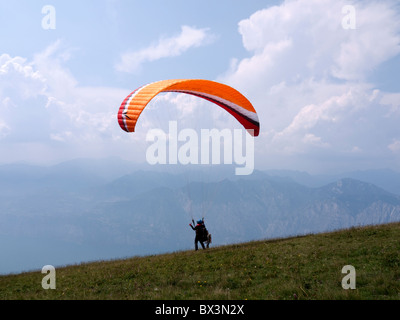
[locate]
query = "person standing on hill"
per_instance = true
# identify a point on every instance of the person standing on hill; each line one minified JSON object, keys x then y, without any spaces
{"x":201,"y":234}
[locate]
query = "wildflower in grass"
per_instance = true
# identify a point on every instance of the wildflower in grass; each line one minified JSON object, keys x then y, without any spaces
{"x":201,"y":283}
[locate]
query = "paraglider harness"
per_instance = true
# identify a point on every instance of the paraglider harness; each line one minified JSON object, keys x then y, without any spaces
{"x":202,"y":233}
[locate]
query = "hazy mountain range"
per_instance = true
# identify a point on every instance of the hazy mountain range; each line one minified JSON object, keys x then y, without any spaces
{"x":86,"y":210}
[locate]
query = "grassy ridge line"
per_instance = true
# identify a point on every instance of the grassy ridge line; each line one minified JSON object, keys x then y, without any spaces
{"x":307,"y":267}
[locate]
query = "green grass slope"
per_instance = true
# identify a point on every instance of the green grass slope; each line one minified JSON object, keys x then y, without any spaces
{"x":307,"y":267}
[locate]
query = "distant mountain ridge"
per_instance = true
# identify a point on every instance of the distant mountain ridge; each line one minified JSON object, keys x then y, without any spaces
{"x":102,"y":209}
{"x":383,"y":178}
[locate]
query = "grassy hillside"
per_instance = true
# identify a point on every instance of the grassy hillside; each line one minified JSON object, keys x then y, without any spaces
{"x":306,"y":267}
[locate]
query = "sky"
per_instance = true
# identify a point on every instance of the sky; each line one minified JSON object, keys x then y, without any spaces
{"x":322,"y":75}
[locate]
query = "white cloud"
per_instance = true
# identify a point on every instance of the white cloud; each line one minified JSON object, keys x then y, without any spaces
{"x":307,"y":78}
{"x":4,"y":129}
{"x":392,"y":100}
{"x":395,"y":146}
{"x":310,"y":138}
{"x":340,"y":123}
{"x":305,"y":74}
{"x":43,"y":108}
{"x":188,"y":38}
{"x":375,"y":40}
{"x":305,"y":38}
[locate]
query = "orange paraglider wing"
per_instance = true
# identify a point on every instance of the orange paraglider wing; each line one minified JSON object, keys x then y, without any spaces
{"x":224,"y":96}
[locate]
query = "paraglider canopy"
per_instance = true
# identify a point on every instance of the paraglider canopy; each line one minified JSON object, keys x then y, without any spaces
{"x":222,"y":95}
